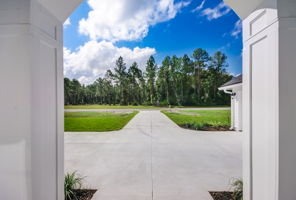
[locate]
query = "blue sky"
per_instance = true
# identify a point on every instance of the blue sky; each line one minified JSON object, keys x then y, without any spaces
{"x":100,"y":31}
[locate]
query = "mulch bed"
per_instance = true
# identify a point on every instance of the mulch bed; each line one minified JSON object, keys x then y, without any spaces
{"x":207,"y":128}
{"x":216,"y":128}
{"x":222,"y":195}
{"x":85,"y":194}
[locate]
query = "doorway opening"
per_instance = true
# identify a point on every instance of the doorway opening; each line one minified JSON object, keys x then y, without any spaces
{"x":140,"y":124}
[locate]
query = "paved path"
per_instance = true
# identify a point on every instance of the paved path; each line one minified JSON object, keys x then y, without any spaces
{"x":154,"y":159}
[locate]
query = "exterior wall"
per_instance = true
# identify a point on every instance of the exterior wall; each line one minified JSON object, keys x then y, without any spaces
{"x":287,"y":108}
{"x":236,"y":105}
{"x":31,"y":85}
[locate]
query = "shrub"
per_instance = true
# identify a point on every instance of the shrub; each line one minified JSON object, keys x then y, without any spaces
{"x":237,"y":186}
{"x":204,"y":126}
{"x":72,"y":182}
{"x":135,"y":103}
{"x":164,"y":103}
{"x":195,"y":126}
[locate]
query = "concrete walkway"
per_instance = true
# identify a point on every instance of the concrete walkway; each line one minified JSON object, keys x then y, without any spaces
{"x":154,"y":159}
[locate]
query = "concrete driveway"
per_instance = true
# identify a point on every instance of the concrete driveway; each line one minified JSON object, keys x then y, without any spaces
{"x":153,"y":159}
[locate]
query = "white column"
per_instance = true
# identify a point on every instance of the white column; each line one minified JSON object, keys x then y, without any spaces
{"x":269,"y":96}
{"x":239,"y":110}
{"x":31,"y":88}
{"x":232,"y":112}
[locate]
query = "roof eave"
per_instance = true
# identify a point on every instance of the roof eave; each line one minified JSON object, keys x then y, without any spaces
{"x":231,"y":87}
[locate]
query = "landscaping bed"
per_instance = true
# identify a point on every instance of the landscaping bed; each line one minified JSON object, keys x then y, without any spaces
{"x":236,"y":192}
{"x":205,"y":127}
{"x":84,"y":194}
{"x":204,"y":120}
{"x":222,"y":195}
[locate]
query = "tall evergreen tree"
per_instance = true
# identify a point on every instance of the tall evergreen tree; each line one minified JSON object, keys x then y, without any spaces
{"x":218,"y":67}
{"x":178,"y":81}
{"x":201,"y":57}
{"x":151,"y":76}
{"x":120,"y":78}
{"x":164,"y":79}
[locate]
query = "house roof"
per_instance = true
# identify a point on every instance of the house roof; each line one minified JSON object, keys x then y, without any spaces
{"x":235,"y":80}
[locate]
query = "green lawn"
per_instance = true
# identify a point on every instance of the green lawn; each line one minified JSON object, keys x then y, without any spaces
{"x":96,"y":121}
{"x":127,"y":107}
{"x":201,"y":119}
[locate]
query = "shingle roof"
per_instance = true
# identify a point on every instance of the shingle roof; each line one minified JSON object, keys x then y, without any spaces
{"x":235,"y":80}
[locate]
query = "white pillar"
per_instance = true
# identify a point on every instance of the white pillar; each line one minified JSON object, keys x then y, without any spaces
{"x":232,"y":111}
{"x":269,"y":96}
{"x":239,"y":108}
{"x":31,"y":88}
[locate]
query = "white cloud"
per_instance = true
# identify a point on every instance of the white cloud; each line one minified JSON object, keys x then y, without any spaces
{"x":93,"y":59}
{"x":67,"y":22}
{"x":217,"y":12}
{"x":199,"y":7}
{"x":237,"y":29}
{"x":126,"y":19}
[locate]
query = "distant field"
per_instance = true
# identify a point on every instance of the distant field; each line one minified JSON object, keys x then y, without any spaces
{"x":96,"y":121}
{"x":128,"y":107}
{"x":201,"y":119}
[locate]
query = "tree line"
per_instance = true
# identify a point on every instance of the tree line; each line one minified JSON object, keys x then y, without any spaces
{"x":182,"y":81}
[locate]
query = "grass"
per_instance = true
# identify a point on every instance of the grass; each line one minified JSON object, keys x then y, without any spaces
{"x":201,"y":119}
{"x":127,"y":107}
{"x":96,"y":121}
